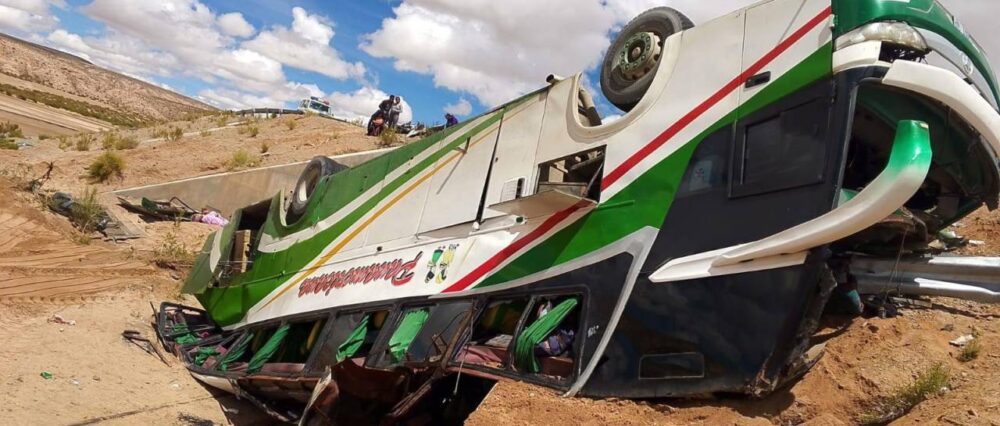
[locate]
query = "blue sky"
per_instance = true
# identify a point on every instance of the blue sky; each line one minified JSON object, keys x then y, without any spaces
{"x":462,"y":56}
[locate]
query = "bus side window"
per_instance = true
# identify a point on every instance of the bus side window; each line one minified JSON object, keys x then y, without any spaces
{"x":350,"y":337}
{"x":445,"y":320}
{"x":545,"y":346}
{"x":492,"y":334}
{"x":783,"y":147}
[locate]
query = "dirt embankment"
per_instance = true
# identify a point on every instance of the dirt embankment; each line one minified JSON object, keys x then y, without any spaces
{"x":74,"y":79}
{"x":106,"y":288}
{"x":208,"y":146}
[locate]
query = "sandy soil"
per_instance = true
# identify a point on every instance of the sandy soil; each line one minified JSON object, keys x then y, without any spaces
{"x":96,"y":375}
{"x":106,"y":288}
{"x":199,"y":153}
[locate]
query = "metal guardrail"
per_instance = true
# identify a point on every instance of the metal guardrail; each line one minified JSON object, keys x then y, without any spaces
{"x":969,"y":278}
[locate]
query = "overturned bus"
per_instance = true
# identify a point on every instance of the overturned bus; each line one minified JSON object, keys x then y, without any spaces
{"x":688,"y":247}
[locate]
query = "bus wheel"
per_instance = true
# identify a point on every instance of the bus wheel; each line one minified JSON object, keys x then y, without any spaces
{"x":631,"y":61}
{"x":306,"y":185}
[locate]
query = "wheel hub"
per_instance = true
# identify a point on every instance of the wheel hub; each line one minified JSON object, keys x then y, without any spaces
{"x":639,"y":55}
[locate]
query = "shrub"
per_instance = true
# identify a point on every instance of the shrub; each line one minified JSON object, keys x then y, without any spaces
{"x":127,"y":142}
{"x":264,"y":147}
{"x":7,"y":144}
{"x":205,"y":133}
{"x":970,"y":351}
{"x":388,"y":138}
{"x":10,"y":130}
{"x":109,"y":140}
{"x":87,"y":211}
{"x":291,"y":124}
{"x":252,"y":130}
{"x":171,"y":253}
{"x":902,"y":400}
{"x":175,"y":134}
{"x":44,"y":137}
{"x":222,"y":120}
{"x":107,"y":165}
{"x":83,"y":142}
{"x":242,"y":159}
{"x":64,"y":143}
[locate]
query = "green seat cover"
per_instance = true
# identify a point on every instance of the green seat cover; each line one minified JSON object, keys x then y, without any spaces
{"x":524,"y":351}
{"x":404,"y":334}
{"x":267,"y":351}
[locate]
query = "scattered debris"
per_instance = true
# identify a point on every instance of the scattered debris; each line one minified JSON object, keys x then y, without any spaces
{"x":58,"y":319}
{"x":961,"y":341}
{"x":145,"y":344}
{"x":46,"y":375}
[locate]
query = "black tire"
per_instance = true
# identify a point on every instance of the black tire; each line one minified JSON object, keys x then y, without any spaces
{"x":625,"y":92}
{"x":317,"y":168}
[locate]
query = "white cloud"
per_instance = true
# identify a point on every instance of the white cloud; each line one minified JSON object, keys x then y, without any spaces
{"x":305,"y":46}
{"x":184,"y":38}
{"x":28,"y":16}
{"x":234,"y":25}
{"x":460,"y":108}
{"x":125,"y":54}
{"x":498,"y":50}
{"x":362,"y":103}
{"x":492,"y":50}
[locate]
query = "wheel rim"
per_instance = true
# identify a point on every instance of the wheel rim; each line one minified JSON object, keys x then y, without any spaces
{"x":639,"y":55}
{"x":304,"y":191}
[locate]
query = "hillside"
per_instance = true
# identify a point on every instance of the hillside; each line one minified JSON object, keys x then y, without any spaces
{"x":33,"y":72}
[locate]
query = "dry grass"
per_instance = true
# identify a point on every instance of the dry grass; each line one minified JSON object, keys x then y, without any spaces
{"x":388,"y":138}
{"x":105,"y":167}
{"x":83,"y":142}
{"x":113,"y":141}
{"x":170,"y":134}
{"x":172,"y":253}
{"x":902,"y":400}
{"x":85,"y":214}
{"x":242,"y":159}
{"x":291,"y":124}
{"x":970,"y":351}
{"x":10,"y":130}
{"x":64,"y":142}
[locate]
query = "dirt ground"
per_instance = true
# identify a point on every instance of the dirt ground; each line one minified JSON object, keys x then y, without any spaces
{"x":46,"y":270}
{"x":210,"y":143}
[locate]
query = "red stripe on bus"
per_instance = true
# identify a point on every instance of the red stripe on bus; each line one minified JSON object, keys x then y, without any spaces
{"x":514,"y":247}
{"x":686,"y":120}
{"x":505,"y":253}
